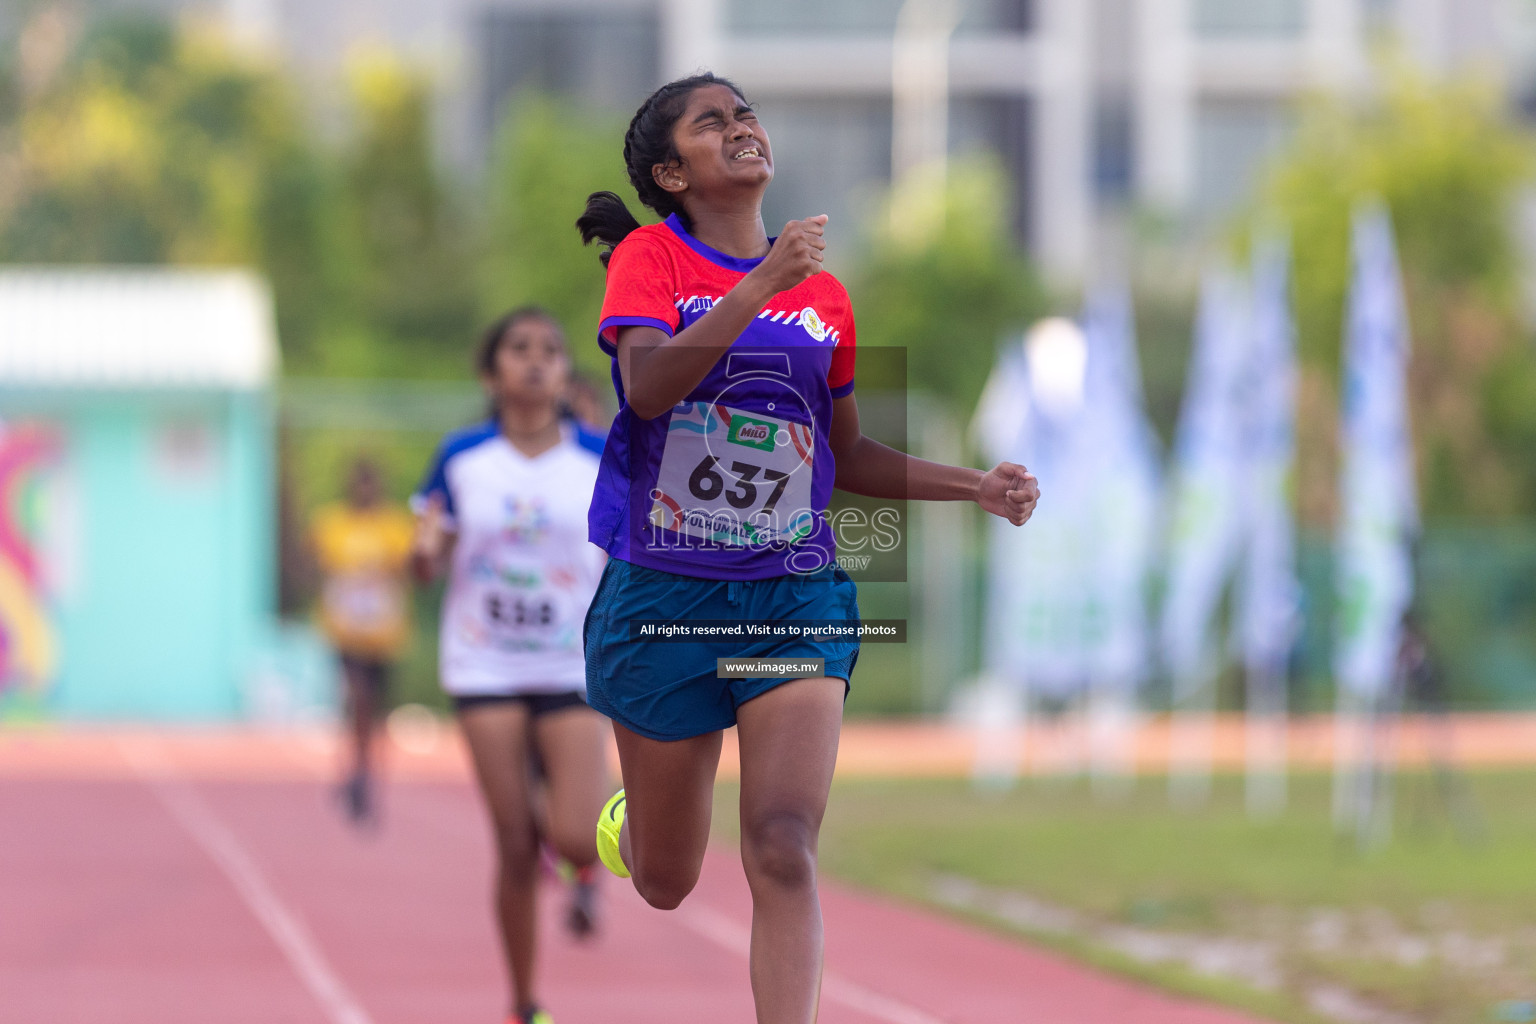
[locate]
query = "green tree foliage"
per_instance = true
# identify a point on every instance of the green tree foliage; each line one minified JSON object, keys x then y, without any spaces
{"x":145,"y":143}
{"x":410,"y":248}
{"x":149,"y":146}
{"x":944,"y":278}
{"x":1448,"y":162}
{"x":549,"y":157}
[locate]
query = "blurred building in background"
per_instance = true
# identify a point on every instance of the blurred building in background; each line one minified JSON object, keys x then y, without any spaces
{"x":136,"y":462}
{"x":1093,"y":106}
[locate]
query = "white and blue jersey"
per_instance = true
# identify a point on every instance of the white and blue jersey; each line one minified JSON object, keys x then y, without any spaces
{"x":522,"y":572}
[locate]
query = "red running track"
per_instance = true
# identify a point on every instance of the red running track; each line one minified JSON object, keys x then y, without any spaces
{"x":159,"y":898}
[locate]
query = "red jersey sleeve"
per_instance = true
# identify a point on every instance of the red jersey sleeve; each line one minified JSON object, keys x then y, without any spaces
{"x":840,"y":375}
{"x":640,"y":290}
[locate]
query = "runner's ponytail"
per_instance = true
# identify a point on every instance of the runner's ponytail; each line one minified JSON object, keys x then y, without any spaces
{"x":606,"y":221}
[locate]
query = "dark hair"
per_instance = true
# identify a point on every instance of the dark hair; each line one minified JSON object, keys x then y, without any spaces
{"x":490,"y":341}
{"x":648,"y":142}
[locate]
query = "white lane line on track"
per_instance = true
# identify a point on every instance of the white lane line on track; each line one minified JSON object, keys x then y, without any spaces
{"x":198,"y":820}
{"x":727,"y":933}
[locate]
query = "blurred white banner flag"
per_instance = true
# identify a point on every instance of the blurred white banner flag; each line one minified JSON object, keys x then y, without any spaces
{"x":1120,"y":450}
{"x":1268,"y":595}
{"x":1206,"y":526}
{"x":1031,"y":413}
{"x":1066,"y":592}
{"x":1378,"y":520}
{"x":1379,"y":508}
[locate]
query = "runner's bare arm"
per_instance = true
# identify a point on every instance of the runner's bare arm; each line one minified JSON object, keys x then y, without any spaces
{"x":867,"y":467}
{"x":659,"y":371}
{"x":432,"y":542}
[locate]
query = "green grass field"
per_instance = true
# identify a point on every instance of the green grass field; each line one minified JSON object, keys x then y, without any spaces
{"x":1437,"y":926}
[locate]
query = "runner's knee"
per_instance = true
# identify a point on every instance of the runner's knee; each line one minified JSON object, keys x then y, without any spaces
{"x":780,"y":849}
{"x":517,"y":849}
{"x":665,"y":885}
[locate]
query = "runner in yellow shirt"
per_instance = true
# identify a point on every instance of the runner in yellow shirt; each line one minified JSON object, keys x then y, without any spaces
{"x":362,"y":546}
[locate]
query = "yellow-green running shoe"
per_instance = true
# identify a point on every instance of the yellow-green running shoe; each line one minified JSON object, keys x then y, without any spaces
{"x":608,"y":825}
{"x":531,"y":1016}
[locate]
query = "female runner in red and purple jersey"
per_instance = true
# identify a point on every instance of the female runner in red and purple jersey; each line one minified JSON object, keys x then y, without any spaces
{"x":733,"y":359}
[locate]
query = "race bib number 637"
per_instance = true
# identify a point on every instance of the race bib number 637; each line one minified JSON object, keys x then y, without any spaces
{"x":734,"y":478}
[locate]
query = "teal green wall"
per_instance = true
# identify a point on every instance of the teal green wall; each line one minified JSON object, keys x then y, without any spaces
{"x":174,"y":594}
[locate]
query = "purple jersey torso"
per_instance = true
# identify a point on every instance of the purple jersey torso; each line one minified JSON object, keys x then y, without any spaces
{"x":734,"y":481}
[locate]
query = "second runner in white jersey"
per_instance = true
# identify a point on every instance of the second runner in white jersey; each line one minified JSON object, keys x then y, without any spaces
{"x":522,"y":572}
{"x":501,"y":515}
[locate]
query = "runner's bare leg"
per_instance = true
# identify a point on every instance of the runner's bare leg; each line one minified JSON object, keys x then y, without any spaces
{"x":788,"y":742}
{"x":669,"y":788}
{"x":497,"y":736}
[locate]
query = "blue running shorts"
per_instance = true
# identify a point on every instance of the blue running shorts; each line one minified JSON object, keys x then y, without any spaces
{"x":670,"y":690}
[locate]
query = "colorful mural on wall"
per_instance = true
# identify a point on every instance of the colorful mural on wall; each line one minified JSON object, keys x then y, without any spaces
{"x":29,"y":650}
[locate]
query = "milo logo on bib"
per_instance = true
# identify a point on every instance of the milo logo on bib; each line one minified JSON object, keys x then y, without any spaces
{"x":751,"y":433}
